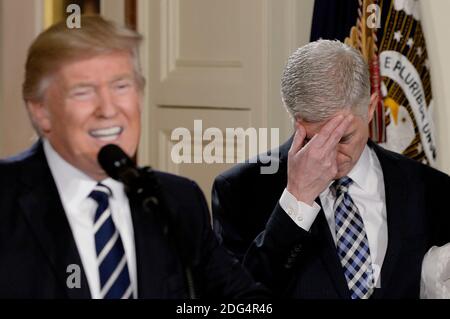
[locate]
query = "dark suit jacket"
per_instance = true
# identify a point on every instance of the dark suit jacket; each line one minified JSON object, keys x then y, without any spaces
{"x":300,"y":264}
{"x":37,"y":245}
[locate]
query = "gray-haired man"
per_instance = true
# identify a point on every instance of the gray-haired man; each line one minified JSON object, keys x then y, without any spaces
{"x":342,"y":218}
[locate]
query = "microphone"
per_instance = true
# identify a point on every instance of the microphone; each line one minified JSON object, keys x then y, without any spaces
{"x":116,"y":162}
{"x":118,"y":165}
{"x":142,"y":185}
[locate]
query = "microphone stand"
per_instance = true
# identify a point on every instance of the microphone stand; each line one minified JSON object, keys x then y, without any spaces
{"x":144,"y":186}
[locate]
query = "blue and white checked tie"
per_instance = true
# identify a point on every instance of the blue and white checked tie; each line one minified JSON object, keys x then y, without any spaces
{"x":113,"y":270}
{"x":351,"y":242}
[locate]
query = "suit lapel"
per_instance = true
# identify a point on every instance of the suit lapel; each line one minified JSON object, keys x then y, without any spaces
{"x":328,"y":254}
{"x":396,"y":186}
{"x":42,"y":208}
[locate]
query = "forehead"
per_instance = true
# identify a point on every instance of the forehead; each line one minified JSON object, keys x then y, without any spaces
{"x":97,"y":67}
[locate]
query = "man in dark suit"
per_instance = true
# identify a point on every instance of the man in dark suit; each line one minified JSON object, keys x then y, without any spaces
{"x":69,"y":231}
{"x":342,"y":217}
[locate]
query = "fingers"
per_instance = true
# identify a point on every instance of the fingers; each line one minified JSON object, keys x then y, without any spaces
{"x":327,"y":138}
{"x":338,"y":132}
{"x":325,"y":132}
{"x":299,"y":137}
{"x":333,"y":160}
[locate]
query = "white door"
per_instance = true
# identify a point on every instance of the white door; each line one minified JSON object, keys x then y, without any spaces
{"x":217,"y":63}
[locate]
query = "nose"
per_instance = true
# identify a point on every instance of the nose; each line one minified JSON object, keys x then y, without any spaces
{"x":106,"y":107}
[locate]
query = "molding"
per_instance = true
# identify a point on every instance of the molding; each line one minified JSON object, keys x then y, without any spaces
{"x":170,"y":43}
{"x":143,"y":27}
{"x":39,"y":16}
{"x":169,"y":36}
{"x":267,"y":57}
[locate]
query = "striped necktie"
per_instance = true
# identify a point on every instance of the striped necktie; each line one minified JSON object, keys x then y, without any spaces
{"x":112,"y":262}
{"x":352,"y":243}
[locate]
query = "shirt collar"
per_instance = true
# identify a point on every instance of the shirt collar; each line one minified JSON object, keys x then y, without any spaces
{"x":73,"y":185}
{"x":359,"y":172}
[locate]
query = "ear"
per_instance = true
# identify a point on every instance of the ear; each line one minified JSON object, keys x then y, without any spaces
{"x":40,"y":116}
{"x":372,"y":106}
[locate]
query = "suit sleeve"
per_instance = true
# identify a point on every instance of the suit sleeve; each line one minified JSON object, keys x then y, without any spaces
{"x":220,"y":272}
{"x":276,"y":251}
{"x":225,"y":214}
{"x":271,"y":255}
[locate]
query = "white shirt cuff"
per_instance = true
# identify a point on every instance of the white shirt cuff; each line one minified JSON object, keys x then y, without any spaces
{"x":301,"y":213}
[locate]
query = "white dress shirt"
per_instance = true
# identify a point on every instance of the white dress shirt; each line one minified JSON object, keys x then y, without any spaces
{"x":74,"y":188}
{"x":367,"y":192}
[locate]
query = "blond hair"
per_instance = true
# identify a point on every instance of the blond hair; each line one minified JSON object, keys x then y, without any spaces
{"x":59,"y":45}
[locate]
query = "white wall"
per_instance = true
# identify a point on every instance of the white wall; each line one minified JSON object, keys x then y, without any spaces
{"x":219,"y":62}
{"x":436,"y":25}
{"x":20,"y":22}
{"x":290,"y":28}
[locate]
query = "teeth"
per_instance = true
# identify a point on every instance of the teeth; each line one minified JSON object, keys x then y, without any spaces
{"x":106,"y":134}
{"x":107,"y":138}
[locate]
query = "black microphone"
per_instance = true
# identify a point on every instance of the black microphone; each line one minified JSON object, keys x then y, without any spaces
{"x":117,"y":164}
{"x":139,"y":182}
{"x":142,"y":185}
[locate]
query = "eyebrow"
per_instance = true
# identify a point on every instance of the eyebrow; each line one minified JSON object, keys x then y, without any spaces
{"x":91,"y":84}
{"x":122,"y":77}
{"x":81,"y":84}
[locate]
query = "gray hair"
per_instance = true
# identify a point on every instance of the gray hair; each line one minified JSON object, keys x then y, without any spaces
{"x":324,"y":77}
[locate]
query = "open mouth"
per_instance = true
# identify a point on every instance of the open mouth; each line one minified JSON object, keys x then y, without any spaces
{"x":107,"y":134}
